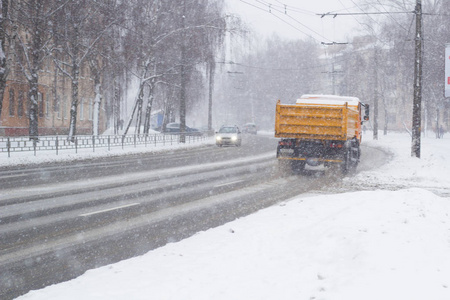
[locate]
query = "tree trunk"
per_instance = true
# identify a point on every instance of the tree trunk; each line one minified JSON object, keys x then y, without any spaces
{"x":75,"y":74}
{"x":148,"y":111}
{"x":93,"y":64}
{"x":139,"y":111}
{"x":2,"y":92}
{"x":33,"y":112}
{"x":136,"y":104}
{"x":3,"y":59}
{"x":386,"y":121}
{"x":33,"y":80}
{"x":116,"y":107}
{"x":97,"y":102}
{"x":74,"y":106}
{"x":210,"y":96}
{"x":139,"y":100}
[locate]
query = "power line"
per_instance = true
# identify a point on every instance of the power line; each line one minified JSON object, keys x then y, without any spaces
{"x":362,"y":13}
{"x":395,"y":20}
{"x":277,"y":10}
{"x":324,"y":65}
{"x":269,"y":8}
{"x":300,"y":10}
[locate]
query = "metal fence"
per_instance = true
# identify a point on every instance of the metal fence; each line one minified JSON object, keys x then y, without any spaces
{"x":58,"y":143}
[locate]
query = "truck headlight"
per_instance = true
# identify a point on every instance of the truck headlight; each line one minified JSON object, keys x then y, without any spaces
{"x":218,"y":138}
{"x":234,"y":138}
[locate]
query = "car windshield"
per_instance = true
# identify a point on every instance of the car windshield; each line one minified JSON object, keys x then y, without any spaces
{"x":228,"y":130}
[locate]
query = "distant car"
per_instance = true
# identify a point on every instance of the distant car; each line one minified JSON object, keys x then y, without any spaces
{"x":174,"y":128}
{"x":250,"y":128}
{"x":228,"y":135}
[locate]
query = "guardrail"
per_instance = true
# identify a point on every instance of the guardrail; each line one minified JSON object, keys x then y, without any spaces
{"x":58,"y":143}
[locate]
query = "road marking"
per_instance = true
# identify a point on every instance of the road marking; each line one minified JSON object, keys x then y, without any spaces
{"x":228,"y":183}
{"x":109,"y":209}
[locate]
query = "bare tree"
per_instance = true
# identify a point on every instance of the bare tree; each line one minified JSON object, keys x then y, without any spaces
{"x":203,"y":29}
{"x":181,"y":30}
{"x":149,"y":16}
{"x":32,"y":45}
{"x":82,"y":25}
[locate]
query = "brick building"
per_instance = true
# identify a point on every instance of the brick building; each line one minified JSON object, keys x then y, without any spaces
{"x":54,"y":100}
{"x":55,"y":97}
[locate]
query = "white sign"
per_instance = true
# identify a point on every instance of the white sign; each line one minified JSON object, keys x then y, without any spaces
{"x":447,"y":70}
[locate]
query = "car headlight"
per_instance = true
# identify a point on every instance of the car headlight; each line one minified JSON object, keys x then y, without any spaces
{"x":218,"y":138}
{"x":234,"y":138}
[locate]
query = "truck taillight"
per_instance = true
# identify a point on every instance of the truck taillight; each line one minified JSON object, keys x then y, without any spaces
{"x":285,"y":143}
{"x":336,"y":145}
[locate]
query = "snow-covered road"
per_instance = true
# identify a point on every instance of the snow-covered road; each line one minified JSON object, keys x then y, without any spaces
{"x":75,"y":216}
{"x":389,"y":241}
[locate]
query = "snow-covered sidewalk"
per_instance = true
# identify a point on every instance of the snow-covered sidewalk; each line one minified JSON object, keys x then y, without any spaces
{"x":45,"y":156}
{"x":386,"y":243}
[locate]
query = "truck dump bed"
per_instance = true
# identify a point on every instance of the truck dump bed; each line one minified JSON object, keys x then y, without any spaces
{"x":319,"y":118}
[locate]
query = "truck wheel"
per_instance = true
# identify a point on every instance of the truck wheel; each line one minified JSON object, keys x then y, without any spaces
{"x":298,"y":166}
{"x":351,"y":158}
{"x":346,"y":162}
{"x":355,"y":154}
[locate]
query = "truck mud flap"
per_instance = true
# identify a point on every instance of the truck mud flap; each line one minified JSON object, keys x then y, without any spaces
{"x":317,"y":159}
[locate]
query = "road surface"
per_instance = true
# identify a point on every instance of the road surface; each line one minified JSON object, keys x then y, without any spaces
{"x":59,"y":220}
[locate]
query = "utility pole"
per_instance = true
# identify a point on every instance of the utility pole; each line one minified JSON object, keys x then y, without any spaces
{"x":183,"y":75}
{"x":417,"y":104}
{"x":375,"y":95}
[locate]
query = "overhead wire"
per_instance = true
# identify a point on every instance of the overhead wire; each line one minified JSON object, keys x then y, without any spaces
{"x":390,"y":15}
{"x":295,"y":20}
{"x":295,"y":9}
{"x":270,"y":8}
{"x":324,"y":65}
{"x":283,"y":9}
{"x":291,"y":8}
{"x":289,"y":16}
{"x":373,"y":30}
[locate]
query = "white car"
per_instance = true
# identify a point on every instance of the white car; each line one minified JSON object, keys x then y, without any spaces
{"x":228,"y":135}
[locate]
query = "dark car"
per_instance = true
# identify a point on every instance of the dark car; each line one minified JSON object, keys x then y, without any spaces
{"x":174,"y":128}
{"x":250,"y":128}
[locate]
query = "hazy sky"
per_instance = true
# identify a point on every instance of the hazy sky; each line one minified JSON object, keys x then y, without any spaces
{"x":298,"y":18}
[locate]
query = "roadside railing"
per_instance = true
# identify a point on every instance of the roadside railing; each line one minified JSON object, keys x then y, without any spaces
{"x":59,"y":143}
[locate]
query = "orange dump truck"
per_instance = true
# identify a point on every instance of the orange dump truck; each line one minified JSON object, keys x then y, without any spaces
{"x":320,"y":129}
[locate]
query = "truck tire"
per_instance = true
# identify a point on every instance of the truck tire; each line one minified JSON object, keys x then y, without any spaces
{"x":345,"y":166}
{"x":351,"y":157}
{"x":298,"y":166}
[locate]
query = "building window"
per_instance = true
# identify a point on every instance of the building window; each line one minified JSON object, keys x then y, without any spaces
{"x":81,"y":109}
{"x":12,"y":101}
{"x":47,"y":106}
{"x":57,"y":108}
{"x":40,"y":105}
{"x":64,"y":107}
{"x":91,"y":108}
{"x":20,"y":104}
